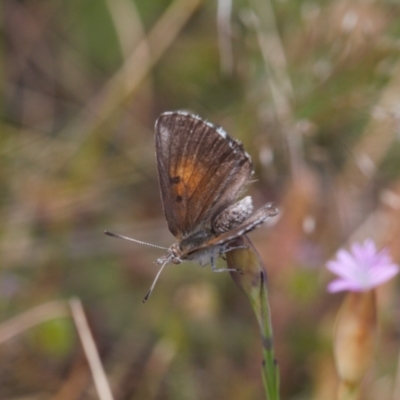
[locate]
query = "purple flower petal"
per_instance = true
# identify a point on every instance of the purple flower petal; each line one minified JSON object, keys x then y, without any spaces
{"x":339,"y":269}
{"x":345,"y":258}
{"x":362,"y":268}
{"x":339,"y":285}
{"x":382,"y":275}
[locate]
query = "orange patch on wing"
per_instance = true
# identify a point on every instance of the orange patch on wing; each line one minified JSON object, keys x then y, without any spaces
{"x":190,"y":174}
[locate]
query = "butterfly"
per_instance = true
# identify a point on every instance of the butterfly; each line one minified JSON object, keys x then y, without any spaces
{"x":202,"y":171}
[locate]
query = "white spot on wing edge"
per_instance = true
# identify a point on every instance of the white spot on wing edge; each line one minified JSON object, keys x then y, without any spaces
{"x":221,"y":132}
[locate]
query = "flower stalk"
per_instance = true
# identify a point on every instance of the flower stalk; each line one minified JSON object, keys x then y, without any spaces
{"x":252,"y":280}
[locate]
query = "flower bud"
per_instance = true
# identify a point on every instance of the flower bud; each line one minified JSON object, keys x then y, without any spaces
{"x":355,"y":336}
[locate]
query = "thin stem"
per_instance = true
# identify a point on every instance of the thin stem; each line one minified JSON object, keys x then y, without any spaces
{"x":270,"y":371}
{"x":252,"y":280}
{"x":89,"y":347}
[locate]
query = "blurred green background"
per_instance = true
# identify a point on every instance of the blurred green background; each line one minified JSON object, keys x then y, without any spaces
{"x":312,"y":89}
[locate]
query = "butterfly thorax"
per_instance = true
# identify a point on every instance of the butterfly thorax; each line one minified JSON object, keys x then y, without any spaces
{"x":195,"y":240}
{"x":181,"y":251}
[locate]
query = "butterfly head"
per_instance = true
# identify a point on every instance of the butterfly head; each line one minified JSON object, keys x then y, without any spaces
{"x":173,"y":255}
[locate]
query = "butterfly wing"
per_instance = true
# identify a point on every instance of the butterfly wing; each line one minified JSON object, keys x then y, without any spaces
{"x":256,"y":219}
{"x":200,"y":168}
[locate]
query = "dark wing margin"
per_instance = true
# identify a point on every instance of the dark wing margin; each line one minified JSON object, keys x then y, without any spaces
{"x":201,"y":170}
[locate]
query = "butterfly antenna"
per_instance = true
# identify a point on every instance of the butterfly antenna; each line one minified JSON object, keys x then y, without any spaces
{"x":155,"y":281}
{"x":134,"y":240}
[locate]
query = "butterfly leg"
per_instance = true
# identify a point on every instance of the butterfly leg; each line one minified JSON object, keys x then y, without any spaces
{"x":243,"y":247}
{"x":215,"y":269}
{"x":225,"y":250}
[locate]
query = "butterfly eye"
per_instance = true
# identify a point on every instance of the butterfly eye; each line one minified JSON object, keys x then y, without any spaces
{"x":175,"y":254}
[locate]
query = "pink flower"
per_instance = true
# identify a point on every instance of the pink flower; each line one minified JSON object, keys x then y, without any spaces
{"x":361,"y":269}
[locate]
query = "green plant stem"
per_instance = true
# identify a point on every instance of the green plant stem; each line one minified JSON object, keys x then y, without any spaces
{"x":270,"y":371}
{"x":252,"y":281}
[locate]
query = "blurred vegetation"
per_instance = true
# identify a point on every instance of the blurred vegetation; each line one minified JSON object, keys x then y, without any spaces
{"x":312,"y":90}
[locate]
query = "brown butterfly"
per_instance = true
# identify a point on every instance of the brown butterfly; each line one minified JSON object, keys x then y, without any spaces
{"x":202,"y":171}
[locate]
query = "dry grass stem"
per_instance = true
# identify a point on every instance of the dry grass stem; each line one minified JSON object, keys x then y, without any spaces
{"x":89,"y":347}
{"x":127,"y":79}
{"x":279,"y":83}
{"x":35,"y":316}
{"x":378,"y":136}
